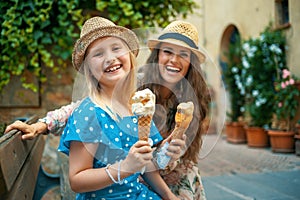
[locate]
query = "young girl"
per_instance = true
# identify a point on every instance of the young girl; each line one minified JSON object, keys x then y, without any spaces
{"x":101,"y":136}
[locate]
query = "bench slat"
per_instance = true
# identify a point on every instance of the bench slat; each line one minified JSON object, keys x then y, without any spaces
{"x":24,"y":185}
{"x":13,"y":153}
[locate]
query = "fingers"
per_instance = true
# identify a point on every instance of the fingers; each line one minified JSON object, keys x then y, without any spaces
{"x":28,"y":131}
{"x":16,"y":125}
{"x":141,"y":143}
{"x":174,"y":152}
{"x":140,"y":154}
{"x":178,"y":143}
{"x":141,"y":147}
{"x":28,"y":136}
{"x":176,"y":148}
{"x":8,"y":129}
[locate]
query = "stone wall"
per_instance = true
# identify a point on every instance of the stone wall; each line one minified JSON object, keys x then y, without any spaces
{"x":54,"y":93}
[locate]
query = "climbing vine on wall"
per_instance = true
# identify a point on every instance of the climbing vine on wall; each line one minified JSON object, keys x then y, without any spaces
{"x":40,"y":34}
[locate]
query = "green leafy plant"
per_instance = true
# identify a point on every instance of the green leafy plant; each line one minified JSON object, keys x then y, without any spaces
{"x":261,"y":59}
{"x":36,"y":35}
{"x":2,"y":128}
{"x":286,"y":99}
{"x":136,"y":14}
{"x":232,"y":78}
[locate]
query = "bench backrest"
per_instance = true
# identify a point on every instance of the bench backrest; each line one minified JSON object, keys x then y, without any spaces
{"x":19,"y":164}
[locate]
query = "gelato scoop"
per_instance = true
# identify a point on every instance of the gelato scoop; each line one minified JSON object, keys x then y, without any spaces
{"x":143,"y":105}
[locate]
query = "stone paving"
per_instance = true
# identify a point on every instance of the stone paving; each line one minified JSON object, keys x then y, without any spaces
{"x":237,"y":172}
{"x":219,"y":157}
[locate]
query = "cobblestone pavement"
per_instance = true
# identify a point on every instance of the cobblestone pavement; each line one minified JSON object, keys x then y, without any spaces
{"x":219,"y":157}
{"x":236,"y":171}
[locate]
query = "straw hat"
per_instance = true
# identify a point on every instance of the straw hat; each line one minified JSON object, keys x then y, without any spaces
{"x":182,"y":34}
{"x":98,"y":27}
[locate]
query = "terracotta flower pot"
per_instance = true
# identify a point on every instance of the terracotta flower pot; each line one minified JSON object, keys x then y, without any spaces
{"x":282,"y":141}
{"x":235,"y":133}
{"x":257,"y":137}
{"x":297,"y":144}
{"x":297,"y":84}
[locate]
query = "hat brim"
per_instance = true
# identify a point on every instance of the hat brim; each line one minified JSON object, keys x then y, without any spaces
{"x":153,"y":43}
{"x":83,"y":43}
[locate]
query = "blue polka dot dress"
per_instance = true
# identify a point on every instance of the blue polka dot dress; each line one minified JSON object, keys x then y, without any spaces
{"x":91,"y":124}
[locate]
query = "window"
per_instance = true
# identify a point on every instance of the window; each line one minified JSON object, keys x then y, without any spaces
{"x":282,"y":13}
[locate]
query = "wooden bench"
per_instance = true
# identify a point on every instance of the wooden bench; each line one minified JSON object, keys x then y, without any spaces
{"x":65,"y":188}
{"x":19,"y":164}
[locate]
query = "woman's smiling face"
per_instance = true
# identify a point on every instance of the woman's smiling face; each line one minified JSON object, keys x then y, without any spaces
{"x":109,"y":60}
{"x":174,"y":62}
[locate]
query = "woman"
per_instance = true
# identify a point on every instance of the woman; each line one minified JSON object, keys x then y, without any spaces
{"x":176,"y":60}
{"x":173,"y":72}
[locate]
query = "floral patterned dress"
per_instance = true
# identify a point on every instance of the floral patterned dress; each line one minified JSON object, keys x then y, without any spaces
{"x":184,"y":179}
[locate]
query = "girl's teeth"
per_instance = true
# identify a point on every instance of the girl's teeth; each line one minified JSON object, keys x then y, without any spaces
{"x":112,"y":69}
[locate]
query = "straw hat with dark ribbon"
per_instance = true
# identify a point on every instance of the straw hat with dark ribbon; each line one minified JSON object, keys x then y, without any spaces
{"x":98,"y":27}
{"x":180,"y":33}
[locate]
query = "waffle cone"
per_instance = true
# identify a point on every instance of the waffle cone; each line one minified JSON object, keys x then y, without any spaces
{"x":183,"y":121}
{"x":178,"y":132}
{"x":144,"y":124}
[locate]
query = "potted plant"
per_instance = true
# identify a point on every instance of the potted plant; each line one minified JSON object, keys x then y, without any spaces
{"x":297,"y":138}
{"x":261,"y":58}
{"x":285,"y":109}
{"x":235,"y":132}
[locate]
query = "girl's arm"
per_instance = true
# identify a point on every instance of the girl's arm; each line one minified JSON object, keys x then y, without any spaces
{"x":84,"y":178}
{"x":156,"y":182}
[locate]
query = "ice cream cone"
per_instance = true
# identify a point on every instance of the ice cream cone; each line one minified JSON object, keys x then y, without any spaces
{"x":143,"y":105}
{"x":144,"y":124}
{"x":183,"y":118}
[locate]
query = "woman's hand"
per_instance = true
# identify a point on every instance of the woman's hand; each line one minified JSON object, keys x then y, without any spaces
{"x":140,"y":154}
{"x":176,"y":147}
{"x":29,"y":131}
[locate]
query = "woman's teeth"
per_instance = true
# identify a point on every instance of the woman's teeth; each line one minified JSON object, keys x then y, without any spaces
{"x":173,"y":69}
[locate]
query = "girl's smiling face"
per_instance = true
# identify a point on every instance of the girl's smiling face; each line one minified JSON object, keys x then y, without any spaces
{"x":108,"y":60}
{"x":174,"y":62}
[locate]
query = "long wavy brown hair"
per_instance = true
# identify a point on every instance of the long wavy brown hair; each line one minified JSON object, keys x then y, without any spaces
{"x":190,"y":88}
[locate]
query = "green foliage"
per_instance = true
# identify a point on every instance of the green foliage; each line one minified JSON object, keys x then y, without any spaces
{"x":232,"y":76}
{"x":42,"y":33}
{"x":34,"y":34}
{"x":286,"y":98}
{"x":2,"y":128}
{"x":135,"y":14}
{"x":262,"y":58}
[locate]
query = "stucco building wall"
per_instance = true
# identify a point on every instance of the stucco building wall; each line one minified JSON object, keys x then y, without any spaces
{"x":250,"y":18}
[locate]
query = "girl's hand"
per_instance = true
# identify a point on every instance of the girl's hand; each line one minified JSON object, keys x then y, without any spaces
{"x":140,"y":154}
{"x":29,"y":131}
